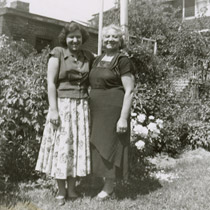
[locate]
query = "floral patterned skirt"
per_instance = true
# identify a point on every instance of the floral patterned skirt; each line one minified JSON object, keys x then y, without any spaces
{"x":66,"y":151}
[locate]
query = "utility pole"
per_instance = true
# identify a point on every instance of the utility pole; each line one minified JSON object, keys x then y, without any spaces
{"x":100,"y":26}
{"x":124,"y":19}
{"x":183,"y":10}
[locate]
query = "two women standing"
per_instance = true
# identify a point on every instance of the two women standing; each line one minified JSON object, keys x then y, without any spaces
{"x":65,"y":150}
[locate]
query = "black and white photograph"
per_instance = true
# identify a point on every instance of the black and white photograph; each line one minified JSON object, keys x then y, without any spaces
{"x":104,"y":104}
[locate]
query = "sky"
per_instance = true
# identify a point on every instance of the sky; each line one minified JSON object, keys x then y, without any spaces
{"x":67,"y":10}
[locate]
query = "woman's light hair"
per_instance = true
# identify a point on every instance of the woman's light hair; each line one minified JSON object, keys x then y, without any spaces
{"x":118,"y":32}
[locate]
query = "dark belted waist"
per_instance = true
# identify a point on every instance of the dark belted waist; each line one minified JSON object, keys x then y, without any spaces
{"x":69,"y":90}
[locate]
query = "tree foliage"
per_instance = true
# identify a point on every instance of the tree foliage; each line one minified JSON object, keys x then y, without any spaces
{"x":3,"y":3}
{"x":180,"y":46}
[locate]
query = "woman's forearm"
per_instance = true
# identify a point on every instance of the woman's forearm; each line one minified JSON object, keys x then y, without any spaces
{"x":127,"y":103}
{"x":52,"y":96}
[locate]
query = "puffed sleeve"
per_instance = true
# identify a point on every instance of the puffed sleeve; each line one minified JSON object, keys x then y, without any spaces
{"x":56,"y":52}
{"x":125,"y":66}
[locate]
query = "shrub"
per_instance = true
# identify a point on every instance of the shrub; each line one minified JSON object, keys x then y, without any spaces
{"x":199,"y":135}
{"x":145,"y":132}
{"x":23,"y":104}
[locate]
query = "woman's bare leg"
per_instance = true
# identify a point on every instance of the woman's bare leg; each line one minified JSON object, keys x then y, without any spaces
{"x":71,"y":182}
{"x":109,"y":185}
{"x":61,"y":187}
{"x":107,"y":189}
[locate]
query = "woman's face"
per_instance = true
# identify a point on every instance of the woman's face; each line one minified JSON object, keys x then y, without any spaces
{"x":111,"y":40}
{"x":74,"y":40}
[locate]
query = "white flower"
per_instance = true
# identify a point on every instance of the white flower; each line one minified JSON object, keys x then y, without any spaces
{"x":152,"y":127}
{"x":154,"y":130}
{"x":151,"y":117}
{"x":159,"y":123}
{"x":154,"y":135}
{"x":140,"y":145}
{"x":140,"y":130}
{"x":133,"y":114}
{"x":141,"y":118}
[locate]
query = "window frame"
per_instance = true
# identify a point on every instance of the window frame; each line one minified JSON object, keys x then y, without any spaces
{"x":196,"y":13}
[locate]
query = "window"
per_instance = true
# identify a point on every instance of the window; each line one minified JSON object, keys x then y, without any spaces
{"x":189,"y":8}
{"x":196,"y":8}
{"x":41,"y":43}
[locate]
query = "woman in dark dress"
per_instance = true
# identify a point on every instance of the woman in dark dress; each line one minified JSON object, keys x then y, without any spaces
{"x":112,"y":84}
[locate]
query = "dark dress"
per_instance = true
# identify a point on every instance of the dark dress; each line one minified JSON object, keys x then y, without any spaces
{"x":108,"y":148}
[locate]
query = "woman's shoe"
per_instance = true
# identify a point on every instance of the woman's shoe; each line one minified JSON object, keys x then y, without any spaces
{"x":60,"y":200}
{"x":103,"y":195}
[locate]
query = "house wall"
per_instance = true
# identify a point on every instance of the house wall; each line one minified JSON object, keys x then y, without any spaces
{"x":28,"y":29}
{"x":92,"y":43}
{"x":178,"y":3}
{"x":37,"y":30}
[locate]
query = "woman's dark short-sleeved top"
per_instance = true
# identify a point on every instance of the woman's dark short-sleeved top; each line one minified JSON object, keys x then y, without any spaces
{"x":105,"y":75}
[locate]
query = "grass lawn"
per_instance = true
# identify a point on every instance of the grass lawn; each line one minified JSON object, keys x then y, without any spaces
{"x":176,"y":184}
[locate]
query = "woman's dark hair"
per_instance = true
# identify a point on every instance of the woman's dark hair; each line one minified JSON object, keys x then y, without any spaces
{"x":71,"y":27}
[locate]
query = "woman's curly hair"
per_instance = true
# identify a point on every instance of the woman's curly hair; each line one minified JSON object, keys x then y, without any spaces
{"x":119,"y":32}
{"x":71,"y":27}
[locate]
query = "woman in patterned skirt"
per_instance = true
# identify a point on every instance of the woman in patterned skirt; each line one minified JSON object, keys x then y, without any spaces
{"x":64,"y":153}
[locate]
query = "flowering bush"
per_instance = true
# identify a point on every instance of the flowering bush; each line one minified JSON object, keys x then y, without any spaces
{"x":145,"y":131}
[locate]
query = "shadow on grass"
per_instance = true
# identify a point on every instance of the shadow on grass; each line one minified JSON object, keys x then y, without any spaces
{"x":139,"y":183}
{"x":10,"y":194}
{"x":131,"y":188}
{"x":136,"y":187}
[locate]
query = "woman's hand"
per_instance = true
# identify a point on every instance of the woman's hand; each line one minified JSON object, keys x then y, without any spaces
{"x":54,"y":119}
{"x":122,"y":125}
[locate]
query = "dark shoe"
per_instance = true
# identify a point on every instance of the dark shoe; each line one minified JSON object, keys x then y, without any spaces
{"x":60,"y":200}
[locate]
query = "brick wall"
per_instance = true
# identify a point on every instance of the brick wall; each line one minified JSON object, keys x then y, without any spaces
{"x":28,"y":29}
{"x":36,"y":30}
{"x":92,"y":42}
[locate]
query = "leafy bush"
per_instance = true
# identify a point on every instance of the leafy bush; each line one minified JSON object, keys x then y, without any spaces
{"x":23,"y":104}
{"x":199,"y":135}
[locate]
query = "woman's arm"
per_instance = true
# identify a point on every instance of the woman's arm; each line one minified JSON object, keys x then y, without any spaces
{"x":128,"y":84}
{"x":52,"y":74}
